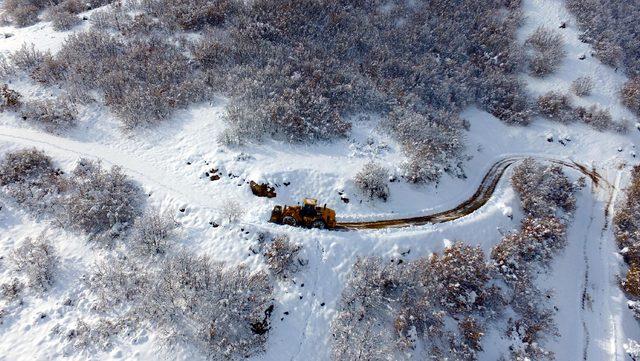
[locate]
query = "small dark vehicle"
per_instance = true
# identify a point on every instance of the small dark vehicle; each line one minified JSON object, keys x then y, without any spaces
{"x":308,"y":215}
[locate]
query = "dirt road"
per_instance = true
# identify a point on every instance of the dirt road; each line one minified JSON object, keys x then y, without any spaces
{"x":478,"y":199}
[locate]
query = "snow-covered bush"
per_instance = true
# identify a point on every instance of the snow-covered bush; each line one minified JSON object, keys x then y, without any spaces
{"x":535,"y":244}
{"x":153,"y":232}
{"x":460,"y":274}
{"x":555,"y":106}
{"x":434,"y":143}
{"x":9,"y":99}
{"x":117,"y":281}
{"x":282,"y":257}
{"x":630,"y":94}
{"x":441,"y":301}
{"x":94,"y":336}
{"x":223,"y":311}
{"x":595,"y":117}
{"x":582,"y":86}
{"x":632,"y":348}
{"x":53,"y":115}
{"x":23,"y":12}
{"x":373,"y":181}
{"x":191,"y":15}
{"x":142,"y":80}
{"x":28,"y":176}
{"x":547,"y":51}
{"x":627,"y":232}
{"x":102,"y":203}
{"x":611,"y":27}
{"x":232,"y":211}
{"x":27,"y":58}
{"x":38,"y":260}
{"x":11,"y":290}
{"x":543,"y":190}
{"x":61,"y":19}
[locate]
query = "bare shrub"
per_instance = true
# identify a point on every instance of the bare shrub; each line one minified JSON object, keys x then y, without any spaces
{"x":593,"y":116}
{"x":102,"y":203}
{"x":118,"y":281}
{"x":38,"y":260}
{"x":373,"y":181}
{"x":609,"y":25}
{"x":11,"y":290}
{"x":221,"y":311}
{"x":232,"y":211}
{"x":283,"y":258}
{"x":433,"y":142}
{"x":555,"y":106}
{"x":53,"y":115}
{"x":94,"y":336}
{"x":548,"y":51}
{"x":543,"y":190}
{"x":385,"y":308}
{"x":9,"y":99}
{"x":152,"y":233}
{"x":535,"y":244}
{"x":29,"y":177}
{"x":630,"y":95}
{"x":23,"y":13}
{"x":63,"y":20}
{"x":6,"y":68}
{"x":582,"y":86}
{"x":142,"y":80}
{"x":191,"y":14}
{"x":27,"y":58}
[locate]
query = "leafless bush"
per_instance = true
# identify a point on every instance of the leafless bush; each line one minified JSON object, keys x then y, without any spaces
{"x":373,"y":181}
{"x":118,"y":281}
{"x":543,"y":190}
{"x":386,"y":308}
{"x":29,"y":177}
{"x":11,"y":290}
{"x":535,"y":244}
{"x":23,"y":12}
{"x":555,"y":106}
{"x":627,"y":220}
{"x":62,"y":19}
{"x":6,"y":68}
{"x":9,"y":99}
{"x":434,"y":143}
{"x":102,"y":203}
{"x":232,"y":211}
{"x":547,"y":51}
{"x":282,"y":257}
{"x":27,"y":58}
{"x":95,"y":336}
{"x":582,"y":86}
{"x":599,"y":119}
{"x":609,"y":25}
{"x":142,"y":80}
{"x":630,"y":95}
{"x":222,"y":311}
{"x":38,"y":260}
{"x":54,"y":115}
{"x":152,"y":233}
{"x":191,"y":14}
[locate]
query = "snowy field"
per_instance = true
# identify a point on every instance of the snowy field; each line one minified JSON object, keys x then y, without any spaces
{"x":170,"y":162}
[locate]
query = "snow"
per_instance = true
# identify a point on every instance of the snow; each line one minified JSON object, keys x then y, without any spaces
{"x":597,"y":328}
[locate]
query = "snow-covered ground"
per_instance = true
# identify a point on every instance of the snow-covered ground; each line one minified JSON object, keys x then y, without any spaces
{"x":170,"y":161}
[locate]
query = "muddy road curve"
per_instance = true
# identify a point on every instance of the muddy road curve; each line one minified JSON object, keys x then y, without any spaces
{"x":478,"y":199}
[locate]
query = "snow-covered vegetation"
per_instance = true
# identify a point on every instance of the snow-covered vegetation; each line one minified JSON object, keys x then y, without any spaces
{"x":477,"y":155}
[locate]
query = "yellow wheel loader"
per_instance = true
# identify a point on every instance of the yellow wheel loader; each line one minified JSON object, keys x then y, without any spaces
{"x":308,"y":215}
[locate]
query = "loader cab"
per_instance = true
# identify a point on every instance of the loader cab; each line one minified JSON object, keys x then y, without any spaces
{"x":309,"y":208}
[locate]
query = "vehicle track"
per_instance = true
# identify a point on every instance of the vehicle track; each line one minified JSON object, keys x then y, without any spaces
{"x":477,"y":200}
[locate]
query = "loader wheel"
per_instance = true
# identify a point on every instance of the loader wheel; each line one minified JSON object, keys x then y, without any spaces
{"x":319,"y":224}
{"x":289,"y":221}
